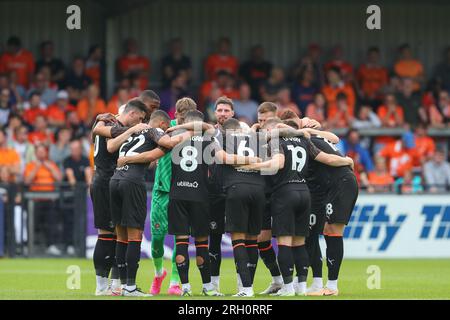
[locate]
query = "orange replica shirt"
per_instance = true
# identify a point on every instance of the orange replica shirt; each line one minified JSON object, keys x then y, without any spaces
{"x":56,"y":114}
{"x":40,"y":137}
{"x":400,"y":160}
{"x":83,"y":109}
{"x":22,"y":63}
{"x":43,"y":177}
{"x":94,"y":73}
{"x":383,"y":110}
{"x":372,"y":79}
{"x":408,"y":68}
{"x":331,"y":93}
{"x":217,"y":62}
{"x":425,"y":147}
{"x":129,"y":64}
{"x":31,"y":114}
{"x":376,"y":179}
{"x":9,"y":157}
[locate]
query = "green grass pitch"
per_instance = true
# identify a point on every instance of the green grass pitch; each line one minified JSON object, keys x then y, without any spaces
{"x":400,"y":279}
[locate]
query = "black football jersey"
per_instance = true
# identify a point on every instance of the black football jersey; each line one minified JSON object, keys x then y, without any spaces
{"x":298,"y":154}
{"x":215,"y":173}
{"x":105,"y":162}
{"x":141,"y":142}
{"x":320,"y":176}
{"x":242,"y":144}
{"x":190,"y":160}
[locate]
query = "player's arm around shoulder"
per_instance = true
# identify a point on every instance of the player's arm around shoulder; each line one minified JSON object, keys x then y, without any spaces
{"x":145,"y":157}
{"x":330,"y":136}
{"x":334,"y":160}
{"x":114,"y":144}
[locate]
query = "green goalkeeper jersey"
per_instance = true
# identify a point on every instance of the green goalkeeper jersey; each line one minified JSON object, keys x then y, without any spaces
{"x":163,"y":173}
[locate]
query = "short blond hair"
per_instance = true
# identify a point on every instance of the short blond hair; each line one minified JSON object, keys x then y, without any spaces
{"x":184,"y":105}
{"x":267,"y":107}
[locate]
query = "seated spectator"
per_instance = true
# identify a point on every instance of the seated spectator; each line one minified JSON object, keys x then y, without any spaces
{"x":23,"y":146}
{"x":5,"y":106}
{"x":380,"y":180}
{"x":352,"y":147}
{"x":224,"y":83}
{"x":14,"y":97}
{"x":94,"y":65}
{"x":343,"y":116}
{"x":56,"y":113}
{"x":14,"y":121}
{"x":92,"y":105}
{"x":17,"y":89}
{"x":408,"y":67}
{"x":284,"y":102}
{"x":425,"y":146}
{"x":335,"y":86}
{"x":317,"y":109}
{"x":41,"y":133}
{"x":437,"y":173}
{"x":303,"y":89}
{"x":222,"y":60}
{"x":178,"y":89}
{"x":77,"y":126}
{"x":34,"y":108}
{"x":410,"y":101}
{"x":400,"y":155}
{"x":245,"y":109}
{"x":175,"y":62}
{"x":9,"y":161}
{"x":372,"y":77}
{"x":433,"y":113}
{"x":120,"y":98}
{"x":56,"y":66}
{"x":366,"y":119}
{"x":19,"y":60}
{"x":408,"y":184}
{"x":60,"y":150}
{"x":133,"y":64}
{"x":442,"y":71}
{"x":43,"y":86}
{"x":269,"y":89}
{"x":390,"y":113}
{"x":256,"y":70}
{"x":77,"y":81}
{"x":337,"y":62}
{"x":311,"y":61}
{"x":76,"y":166}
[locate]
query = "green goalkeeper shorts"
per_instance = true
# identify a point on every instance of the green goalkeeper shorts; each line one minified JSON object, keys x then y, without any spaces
{"x":158,"y":213}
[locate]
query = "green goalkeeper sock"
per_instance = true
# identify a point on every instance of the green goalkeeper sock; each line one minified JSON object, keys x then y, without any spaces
{"x":158,"y":254}
{"x":174,"y":277}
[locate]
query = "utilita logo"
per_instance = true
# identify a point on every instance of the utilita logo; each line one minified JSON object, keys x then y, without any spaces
{"x":382,"y":226}
{"x":437,"y":222}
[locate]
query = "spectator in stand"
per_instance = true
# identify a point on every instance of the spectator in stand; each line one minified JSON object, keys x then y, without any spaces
{"x":337,"y":62}
{"x":335,"y":86}
{"x":352,"y":147}
{"x":175,"y":62}
{"x":44,"y":87}
{"x":437,"y":173}
{"x":304,"y":89}
{"x":5,"y":106}
{"x":131,"y":64}
{"x":425,"y":146}
{"x":33,"y":108}
{"x":372,"y":77}
{"x":56,"y":66}
{"x":408,"y":67}
{"x":442,"y":71}
{"x":408,"y":184}
{"x":120,"y":98}
{"x":19,"y":60}
{"x":245,"y":109}
{"x":41,"y":176}
{"x":391,"y":114}
{"x":343,"y":117}
{"x":311,"y":61}
{"x":77,"y":126}
{"x":221,"y":61}
{"x":89,"y":107}
{"x":410,"y":101}
{"x":436,"y":115}
{"x":14,"y":96}
{"x":269,"y":89}
{"x":77,"y":81}
{"x":94,"y":65}
{"x":284,"y":102}
{"x":380,"y":180}
{"x":317,"y":109}
{"x":256,"y":70}
{"x":178,"y":89}
{"x":60,"y":150}
{"x":23,"y":146}
{"x":400,"y":155}
{"x":9,"y":160}
{"x":224,"y":83}
{"x":41,"y":133}
{"x":56,"y":113}
{"x":367,"y":119}
{"x":14,"y":121}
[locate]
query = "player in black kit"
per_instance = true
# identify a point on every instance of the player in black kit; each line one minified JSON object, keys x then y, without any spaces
{"x":105,"y":163}
{"x":290,"y":200}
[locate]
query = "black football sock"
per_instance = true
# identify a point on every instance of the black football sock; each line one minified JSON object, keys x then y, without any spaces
{"x":132,"y":259}
{"x":182,"y":246}
{"x":269,"y":258}
{"x":252,"y":252}
{"x":286,"y":263}
{"x":335,"y":254}
{"x":315,"y":255}
{"x":241,"y":261}
{"x":301,"y":261}
{"x":203,"y":262}
{"x":121,"y":253}
{"x":104,"y":254}
{"x":215,"y":253}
